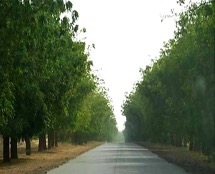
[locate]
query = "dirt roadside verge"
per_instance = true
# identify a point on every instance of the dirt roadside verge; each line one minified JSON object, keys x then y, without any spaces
{"x":192,"y":162}
{"x":41,"y":162}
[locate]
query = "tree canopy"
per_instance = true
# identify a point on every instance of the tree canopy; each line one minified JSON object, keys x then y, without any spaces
{"x":45,"y":73}
{"x":173,"y":103}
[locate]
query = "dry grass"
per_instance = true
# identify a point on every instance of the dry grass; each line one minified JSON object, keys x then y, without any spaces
{"x":192,"y":162}
{"x":40,"y":162}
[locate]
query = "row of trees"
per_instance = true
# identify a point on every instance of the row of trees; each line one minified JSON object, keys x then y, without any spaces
{"x":173,"y":103}
{"x":46,"y":85}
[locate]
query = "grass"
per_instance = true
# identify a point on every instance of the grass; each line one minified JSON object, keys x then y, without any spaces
{"x":192,"y":162}
{"x":40,"y":162}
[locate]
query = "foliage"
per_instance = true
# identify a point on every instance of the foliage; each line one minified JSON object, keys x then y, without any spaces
{"x":174,"y":101}
{"x":45,"y":74}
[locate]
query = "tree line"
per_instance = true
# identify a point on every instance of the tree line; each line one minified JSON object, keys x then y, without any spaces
{"x":46,"y":83}
{"x":173,"y":103}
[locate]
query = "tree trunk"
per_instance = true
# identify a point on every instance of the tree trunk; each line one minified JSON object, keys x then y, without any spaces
{"x":6,"y":149}
{"x":191,"y":144}
{"x":172,"y":141}
{"x":178,"y":142}
{"x":53,"y":138}
{"x":56,"y":139}
{"x":40,"y":146}
{"x":42,"y":142}
{"x":28,"y":146}
{"x":14,"y":152}
{"x":50,"y":139}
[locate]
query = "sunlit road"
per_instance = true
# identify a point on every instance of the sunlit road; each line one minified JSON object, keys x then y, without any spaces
{"x":118,"y":158}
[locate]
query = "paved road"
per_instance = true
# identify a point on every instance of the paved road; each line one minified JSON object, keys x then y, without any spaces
{"x":118,"y":158}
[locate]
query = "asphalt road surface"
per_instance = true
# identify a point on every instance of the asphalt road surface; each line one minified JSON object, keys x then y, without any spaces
{"x":118,"y":158}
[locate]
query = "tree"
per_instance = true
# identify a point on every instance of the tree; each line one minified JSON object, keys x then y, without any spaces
{"x":42,"y":42}
{"x":173,"y":98}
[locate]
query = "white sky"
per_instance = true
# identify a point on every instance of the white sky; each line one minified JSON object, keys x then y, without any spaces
{"x":127,"y":35}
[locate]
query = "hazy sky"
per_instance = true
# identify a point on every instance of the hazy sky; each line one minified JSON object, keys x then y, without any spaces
{"x":127,"y":34}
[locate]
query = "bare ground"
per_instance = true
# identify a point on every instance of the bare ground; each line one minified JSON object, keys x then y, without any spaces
{"x":40,"y":162}
{"x":192,"y":162}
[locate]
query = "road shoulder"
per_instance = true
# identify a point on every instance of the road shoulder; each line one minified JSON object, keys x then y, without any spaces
{"x":191,"y":162}
{"x":41,"y":162}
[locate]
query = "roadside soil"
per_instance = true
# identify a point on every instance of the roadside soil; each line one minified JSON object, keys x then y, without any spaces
{"x":192,"y":162}
{"x":41,"y":162}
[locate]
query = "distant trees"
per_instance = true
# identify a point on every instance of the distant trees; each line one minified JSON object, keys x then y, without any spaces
{"x":95,"y":119}
{"x":45,"y":74}
{"x":174,"y":101}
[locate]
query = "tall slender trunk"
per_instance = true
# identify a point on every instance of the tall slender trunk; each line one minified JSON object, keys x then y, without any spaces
{"x":28,"y":146}
{"x":40,"y":146}
{"x":49,"y":140}
{"x":56,"y":139}
{"x":191,"y":144}
{"x":14,"y":152}
{"x":42,"y":142}
{"x":178,"y":142}
{"x":53,"y":138}
{"x":6,"y":149}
